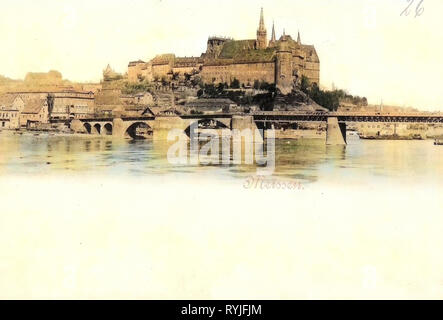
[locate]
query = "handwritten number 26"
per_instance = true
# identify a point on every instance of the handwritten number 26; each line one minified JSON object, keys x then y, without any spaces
{"x":418,"y":10}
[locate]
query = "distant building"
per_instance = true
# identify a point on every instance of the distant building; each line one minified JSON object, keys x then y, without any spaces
{"x":35,"y":111}
{"x":66,"y":104}
{"x":10,"y":109}
{"x":72,"y":105}
{"x":49,"y":78}
{"x":282,"y":62}
{"x":220,"y":105}
{"x":109,"y":74}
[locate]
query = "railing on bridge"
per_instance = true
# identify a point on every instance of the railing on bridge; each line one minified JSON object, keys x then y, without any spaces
{"x":294,"y":116}
{"x":281,"y":116}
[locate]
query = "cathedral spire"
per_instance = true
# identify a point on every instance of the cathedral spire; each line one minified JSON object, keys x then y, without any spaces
{"x":261,"y":26}
{"x":273,"y":32}
{"x":261,"y":33}
{"x":298,"y":38}
{"x":273,"y":40}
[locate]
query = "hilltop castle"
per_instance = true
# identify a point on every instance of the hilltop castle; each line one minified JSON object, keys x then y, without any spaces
{"x":281,"y":62}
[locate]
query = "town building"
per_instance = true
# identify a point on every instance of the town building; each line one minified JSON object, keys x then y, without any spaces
{"x":35,"y":111}
{"x":10,"y":109}
{"x":63,"y":105}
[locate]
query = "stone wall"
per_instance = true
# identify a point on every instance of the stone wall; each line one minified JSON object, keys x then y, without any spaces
{"x":134,"y":71}
{"x":161,"y":70}
{"x":182,"y":70}
{"x":244,"y":72}
{"x":312,"y":72}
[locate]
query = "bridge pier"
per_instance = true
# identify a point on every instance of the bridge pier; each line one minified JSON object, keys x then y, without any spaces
{"x":118,"y":128}
{"x":335,"y":132}
{"x":245,"y":122}
{"x":163,"y":125}
{"x":77,"y":126}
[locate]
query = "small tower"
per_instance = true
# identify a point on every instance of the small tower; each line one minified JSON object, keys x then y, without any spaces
{"x":273,"y":40}
{"x":261,"y":33}
{"x":283,"y":68}
{"x":298,"y":38}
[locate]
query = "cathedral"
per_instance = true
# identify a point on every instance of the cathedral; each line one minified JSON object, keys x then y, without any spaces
{"x":280,"y":61}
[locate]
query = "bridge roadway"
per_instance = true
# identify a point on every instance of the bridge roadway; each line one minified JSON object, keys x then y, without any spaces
{"x":162,"y":124}
{"x":293,"y":116}
{"x":290,"y":116}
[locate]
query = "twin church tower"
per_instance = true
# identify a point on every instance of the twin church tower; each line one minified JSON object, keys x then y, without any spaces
{"x":262,"y":34}
{"x":283,"y":61}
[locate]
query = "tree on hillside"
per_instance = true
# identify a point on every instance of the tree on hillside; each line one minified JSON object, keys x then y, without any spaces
{"x":304,"y":84}
{"x":235,"y":84}
{"x":220,"y":87}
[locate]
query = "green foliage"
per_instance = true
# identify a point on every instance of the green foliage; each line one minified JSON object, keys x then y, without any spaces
{"x":221,"y":87}
{"x":197,"y":81}
{"x":235,"y":84}
{"x":210,"y":90}
{"x":304,"y":84}
{"x":267,"y":86}
{"x":134,"y":88}
{"x":165,"y":82}
{"x":263,"y":85}
{"x":329,"y":99}
{"x":244,"y":50}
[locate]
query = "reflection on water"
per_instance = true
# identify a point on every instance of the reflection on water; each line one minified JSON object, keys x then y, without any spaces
{"x":309,"y":161}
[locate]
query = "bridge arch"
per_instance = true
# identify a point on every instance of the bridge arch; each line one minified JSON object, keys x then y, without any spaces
{"x":88,"y":127}
{"x":209,"y":123}
{"x":96,"y":128}
{"x":107,"y":129}
{"x":139,"y":130}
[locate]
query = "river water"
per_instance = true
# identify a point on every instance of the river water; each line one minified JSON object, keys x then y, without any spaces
{"x":307,"y":161}
{"x":96,"y":217}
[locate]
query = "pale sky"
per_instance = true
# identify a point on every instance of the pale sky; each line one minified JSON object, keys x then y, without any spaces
{"x":364,"y":46}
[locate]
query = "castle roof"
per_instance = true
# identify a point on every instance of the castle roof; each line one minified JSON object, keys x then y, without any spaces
{"x":220,"y":38}
{"x":245,"y":51}
{"x":187,"y":61}
{"x":7,"y":100}
{"x":108,"y":68}
{"x":311,"y":53}
{"x":234,"y":48}
{"x":34,"y":105}
{"x":163,"y":59}
{"x":133,"y":63}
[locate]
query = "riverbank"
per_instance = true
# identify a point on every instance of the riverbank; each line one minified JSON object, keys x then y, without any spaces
{"x":51,"y":134}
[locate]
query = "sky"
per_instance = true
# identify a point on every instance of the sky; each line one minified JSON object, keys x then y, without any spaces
{"x":365,"y":47}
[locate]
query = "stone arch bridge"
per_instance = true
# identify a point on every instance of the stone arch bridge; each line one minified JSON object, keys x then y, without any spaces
{"x":161,"y":125}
